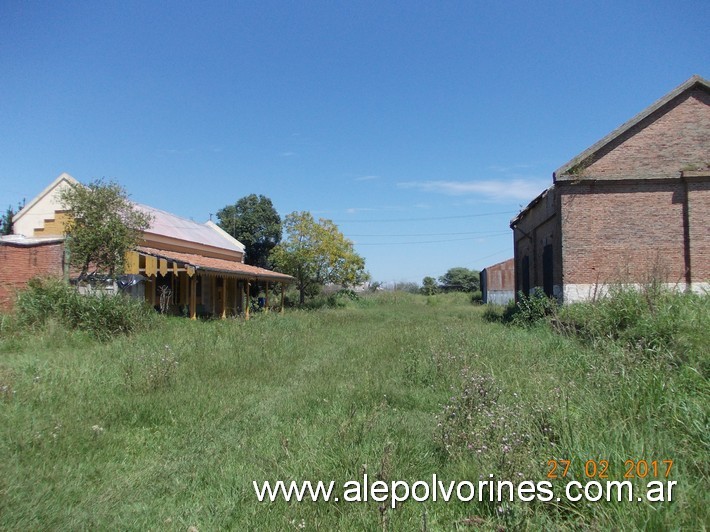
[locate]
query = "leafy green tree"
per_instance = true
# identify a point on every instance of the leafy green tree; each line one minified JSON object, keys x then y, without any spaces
{"x":317,"y":253}
{"x":6,"y":222}
{"x":429,"y":286}
{"x":460,"y":280}
{"x":103,"y":225}
{"x":255,"y":223}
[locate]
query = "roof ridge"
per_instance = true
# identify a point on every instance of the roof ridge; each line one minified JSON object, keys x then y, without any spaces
{"x":690,"y":83}
{"x":150,"y":207}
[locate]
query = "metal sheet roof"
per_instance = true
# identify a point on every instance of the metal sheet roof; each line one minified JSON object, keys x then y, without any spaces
{"x":173,"y":226}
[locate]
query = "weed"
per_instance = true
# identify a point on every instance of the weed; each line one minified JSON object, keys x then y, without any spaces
{"x":495,"y":428}
{"x":151,"y":371}
{"x":102,"y":316}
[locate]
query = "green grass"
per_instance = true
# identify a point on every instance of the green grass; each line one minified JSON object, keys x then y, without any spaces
{"x":131,"y":434}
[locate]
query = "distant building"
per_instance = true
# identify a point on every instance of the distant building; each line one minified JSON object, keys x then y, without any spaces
{"x":498,"y":283}
{"x":201,"y":265}
{"x":632,"y":207}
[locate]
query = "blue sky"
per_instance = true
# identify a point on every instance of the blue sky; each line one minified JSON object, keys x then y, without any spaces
{"x":419,"y":128}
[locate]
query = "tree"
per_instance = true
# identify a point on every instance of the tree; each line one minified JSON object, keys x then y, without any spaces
{"x":461,"y":280}
{"x":6,"y":222}
{"x":316,"y":253}
{"x":255,"y":223}
{"x":429,"y":286}
{"x":103,"y":225}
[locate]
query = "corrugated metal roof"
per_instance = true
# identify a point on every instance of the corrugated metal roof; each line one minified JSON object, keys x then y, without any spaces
{"x":173,"y":226}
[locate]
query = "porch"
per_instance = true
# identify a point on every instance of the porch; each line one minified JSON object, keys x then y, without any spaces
{"x":197,"y":285}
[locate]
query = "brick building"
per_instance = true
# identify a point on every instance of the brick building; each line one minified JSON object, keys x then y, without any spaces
{"x":24,"y":258}
{"x":633,"y":207}
{"x":201,"y":265}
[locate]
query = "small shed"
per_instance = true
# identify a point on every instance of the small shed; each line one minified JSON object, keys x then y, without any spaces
{"x":498,"y":282}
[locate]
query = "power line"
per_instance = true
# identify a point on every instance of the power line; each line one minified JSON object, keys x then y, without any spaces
{"x":427,"y":219}
{"x":411,"y":243}
{"x":438,"y":234}
{"x":493,"y":254}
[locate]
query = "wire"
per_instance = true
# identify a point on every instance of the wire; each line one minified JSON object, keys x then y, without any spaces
{"x":427,"y":219}
{"x":439,"y":234}
{"x":411,"y":243}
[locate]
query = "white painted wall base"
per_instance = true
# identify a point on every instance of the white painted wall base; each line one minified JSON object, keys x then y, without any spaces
{"x":585,"y":292}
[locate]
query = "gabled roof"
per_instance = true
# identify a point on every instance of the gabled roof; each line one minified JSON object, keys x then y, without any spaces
{"x":693,"y":83}
{"x":173,"y":226}
{"x":63,"y":177}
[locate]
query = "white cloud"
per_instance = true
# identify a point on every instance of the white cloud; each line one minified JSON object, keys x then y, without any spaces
{"x":367,"y":178}
{"x":355,"y":210}
{"x":499,"y":190}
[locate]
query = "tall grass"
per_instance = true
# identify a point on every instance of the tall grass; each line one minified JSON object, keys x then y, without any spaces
{"x":131,"y":434}
{"x":102,"y":316}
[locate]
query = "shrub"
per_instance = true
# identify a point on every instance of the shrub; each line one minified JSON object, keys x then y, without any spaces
{"x":651,"y":320}
{"x":533,"y":308}
{"x":102,"y":316}
{"x":477,"y":297}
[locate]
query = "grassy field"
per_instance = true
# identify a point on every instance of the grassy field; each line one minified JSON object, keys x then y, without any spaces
{"x":167,"y":429}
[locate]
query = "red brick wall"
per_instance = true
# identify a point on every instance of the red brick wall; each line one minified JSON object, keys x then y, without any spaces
{"x":18,"y":264}
{"x":623,"y":232}
{"x":699,"y":222}
{"x":669,"y":140}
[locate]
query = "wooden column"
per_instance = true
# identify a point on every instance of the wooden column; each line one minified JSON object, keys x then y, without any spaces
{"x":213,"y":290}
{"x":184,"y":289}
{"x":193,"y":297}
{"x":150,"y":286}
{"x":246,"y":299}
{"x":223,"y":301}
{"x":236,"y":293}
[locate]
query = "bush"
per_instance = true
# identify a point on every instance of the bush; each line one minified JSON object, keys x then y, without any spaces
{"x":649,"y":320}
{"x":533,"y":308}
{"x":102,"y":316}
{"x":477,"y":297}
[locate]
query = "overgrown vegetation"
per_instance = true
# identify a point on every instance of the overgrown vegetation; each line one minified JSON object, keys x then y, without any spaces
{"x":101,"y":316}
{"x":167,"y":428}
